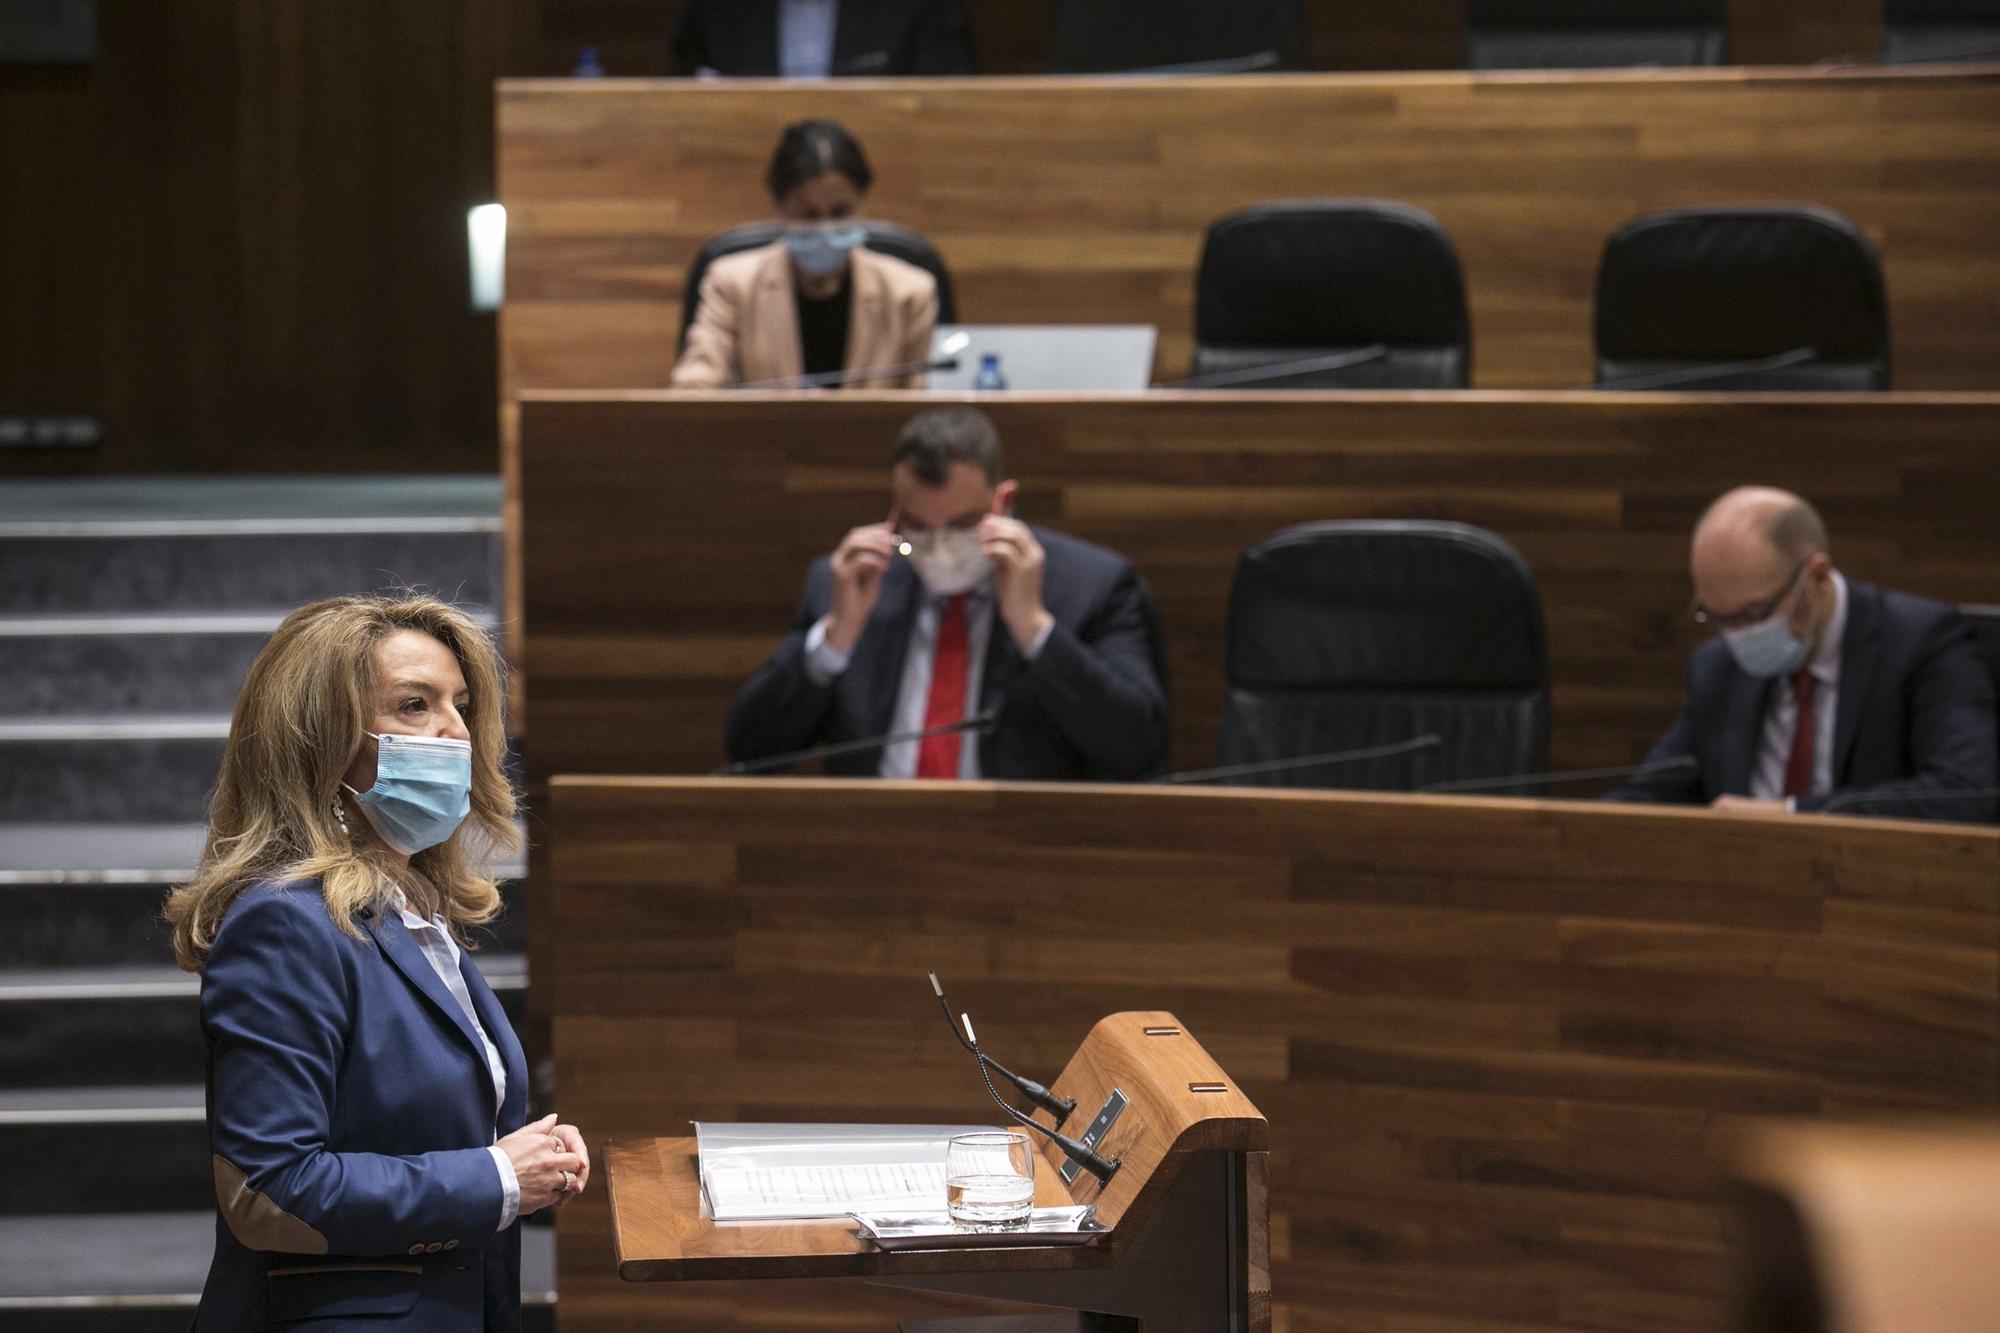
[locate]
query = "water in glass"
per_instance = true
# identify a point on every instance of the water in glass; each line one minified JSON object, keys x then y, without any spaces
{"x":990,"y":1180}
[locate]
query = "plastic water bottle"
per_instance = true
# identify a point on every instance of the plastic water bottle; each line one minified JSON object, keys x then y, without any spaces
{"x":989,"y":376}
{"x":588,"y":66}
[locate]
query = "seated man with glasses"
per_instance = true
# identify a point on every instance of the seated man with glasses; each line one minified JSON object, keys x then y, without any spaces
{"x":952,"y":610}
{"x":1821,"y":693}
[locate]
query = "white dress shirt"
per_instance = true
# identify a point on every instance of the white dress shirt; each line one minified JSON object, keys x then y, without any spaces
{"x":805,"y":37}
{"x":1774,"y":748}
{"x":824,"y":662}
{"x":441,"y":951}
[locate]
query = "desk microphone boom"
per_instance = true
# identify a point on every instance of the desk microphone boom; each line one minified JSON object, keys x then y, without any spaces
{"x":978,"y":722}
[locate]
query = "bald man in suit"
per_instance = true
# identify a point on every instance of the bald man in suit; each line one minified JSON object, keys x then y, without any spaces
{"x":1819,"y":692}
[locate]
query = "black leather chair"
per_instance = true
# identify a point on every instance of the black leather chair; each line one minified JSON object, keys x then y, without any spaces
{"x":883,"y":238}
{"x":1735,"y":299}
{"x":1345,"y":635}
{"x":1290,"y":282}
{"x":1594,"y":34}
{"x":1915,"y":30}
{"x":1985,"y":621}
{"x":1175,"y":36}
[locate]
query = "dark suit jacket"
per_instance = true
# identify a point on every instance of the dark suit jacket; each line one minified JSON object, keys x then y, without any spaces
{"x":872,"y":38}
{"x":1915,"y":720}
{"x":350,"y":1109}
{"x":1091,"y":706}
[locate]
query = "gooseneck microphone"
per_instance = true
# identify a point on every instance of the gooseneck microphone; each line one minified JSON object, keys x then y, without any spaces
{"x":1682,"y":376}
{"x":1673,"y":765}
{"x":1081,"y":1153}
{"x":979,"y":722}
{"x":1059,"y":1107}
{"x":1283,"y":370}
{"x":1429,"y":740}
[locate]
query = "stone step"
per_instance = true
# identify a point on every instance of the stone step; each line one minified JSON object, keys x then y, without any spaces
{"x":109,"y":769}
{"x":214,"y":544}
{"x":142,"y":1148}
{"x":130,"y":663}
{"x":114,"y":769}
{"x":55,"y":923}
{"x":136,"y":1025}
{"x":241,"y":564}
{"x":141,"y":1272}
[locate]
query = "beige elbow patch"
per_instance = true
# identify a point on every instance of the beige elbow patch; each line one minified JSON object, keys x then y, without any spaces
{"x":257,"y":1222}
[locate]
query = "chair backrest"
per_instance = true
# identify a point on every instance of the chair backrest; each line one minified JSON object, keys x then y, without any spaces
{"x":1694,"y":293}
{"x":1915,"y":30}
{"x":883,"y":238}
{"x":1985,"y":622}
{"x":1175,"y":36}
{"x":1345,"y":635}
{"x":1593,"y":34}
{"x":1285,"y":282}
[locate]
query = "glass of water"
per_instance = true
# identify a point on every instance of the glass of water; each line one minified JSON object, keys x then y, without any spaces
{"x":990,"y":1180}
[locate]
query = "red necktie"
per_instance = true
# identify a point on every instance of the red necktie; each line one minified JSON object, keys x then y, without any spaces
{"x":939,"y":756}
{"x":1799,"y":766}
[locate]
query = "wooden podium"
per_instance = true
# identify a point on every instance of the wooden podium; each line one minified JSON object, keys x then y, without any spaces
{"x":1187,"y":1249}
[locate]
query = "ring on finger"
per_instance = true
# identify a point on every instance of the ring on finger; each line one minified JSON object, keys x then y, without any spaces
{"x":567,"y":1181}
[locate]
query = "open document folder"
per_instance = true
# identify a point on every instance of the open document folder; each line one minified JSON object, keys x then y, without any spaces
{"x":771,"y":1172}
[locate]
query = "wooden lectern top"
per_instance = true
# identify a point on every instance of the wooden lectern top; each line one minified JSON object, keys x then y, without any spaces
{"x":1179,"y":1103}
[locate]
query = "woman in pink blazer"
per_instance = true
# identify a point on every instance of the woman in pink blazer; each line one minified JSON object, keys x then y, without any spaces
{"x":814,"y":300}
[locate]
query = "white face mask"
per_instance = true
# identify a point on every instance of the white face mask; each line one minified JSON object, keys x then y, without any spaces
{"x":951,"y":561}
{"x":1768,"y":648}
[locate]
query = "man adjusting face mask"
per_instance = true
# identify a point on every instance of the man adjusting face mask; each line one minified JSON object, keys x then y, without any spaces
{"x":949,"y":562}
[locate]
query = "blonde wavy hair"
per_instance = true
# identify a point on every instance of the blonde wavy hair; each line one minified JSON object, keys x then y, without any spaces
{"x":298,"y":725}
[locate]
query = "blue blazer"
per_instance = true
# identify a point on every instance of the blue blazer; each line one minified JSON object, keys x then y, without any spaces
{"x":1914,"y":727}
{"x":350,"y":1109}
{"x":1091,"y":706}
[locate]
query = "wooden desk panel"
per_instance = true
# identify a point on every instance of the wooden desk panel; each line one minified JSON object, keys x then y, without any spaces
{"x":1086,"y":200}
{"x":1503,"y":1045}
{"x":667,"y":536}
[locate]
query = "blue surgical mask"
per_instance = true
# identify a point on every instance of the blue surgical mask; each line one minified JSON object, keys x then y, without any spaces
{"x":1768,"y":648}
{"x":422,"y":791}
{"x":821,"y":250}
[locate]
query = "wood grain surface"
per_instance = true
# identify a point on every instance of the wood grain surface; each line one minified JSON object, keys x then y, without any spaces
{"x":237,"y":238}
{"x":1178,"y":1102}
{"x":667,"y":536}
{"x":1504,"y":1047}
{"x":1065,"y":201}
{"x":1897,"y":1224}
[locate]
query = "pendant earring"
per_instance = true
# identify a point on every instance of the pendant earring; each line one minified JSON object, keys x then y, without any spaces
{"x":340,"y":818}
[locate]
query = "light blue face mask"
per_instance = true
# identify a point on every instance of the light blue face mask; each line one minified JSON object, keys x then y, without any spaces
{"x":1767,"y":648}
{"x":819,"y":251}
{"x":422,"y":791}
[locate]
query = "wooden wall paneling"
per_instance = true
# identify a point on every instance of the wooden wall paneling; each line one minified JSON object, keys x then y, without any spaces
{"x":667,"y":536}
{"x":1379,"y":34}
{"x":1503,"y":1046}
{"x":1086,"y":200}
{"x":238,"y":237}
{"x":1777,"y":32}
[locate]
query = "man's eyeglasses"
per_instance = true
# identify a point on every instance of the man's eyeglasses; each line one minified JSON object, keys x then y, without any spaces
{"x":1749,"y":615}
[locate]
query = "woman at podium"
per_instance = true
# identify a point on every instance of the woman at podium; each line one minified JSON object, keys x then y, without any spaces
{"x":815,"y":301}
{"x":366,"y":1093}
